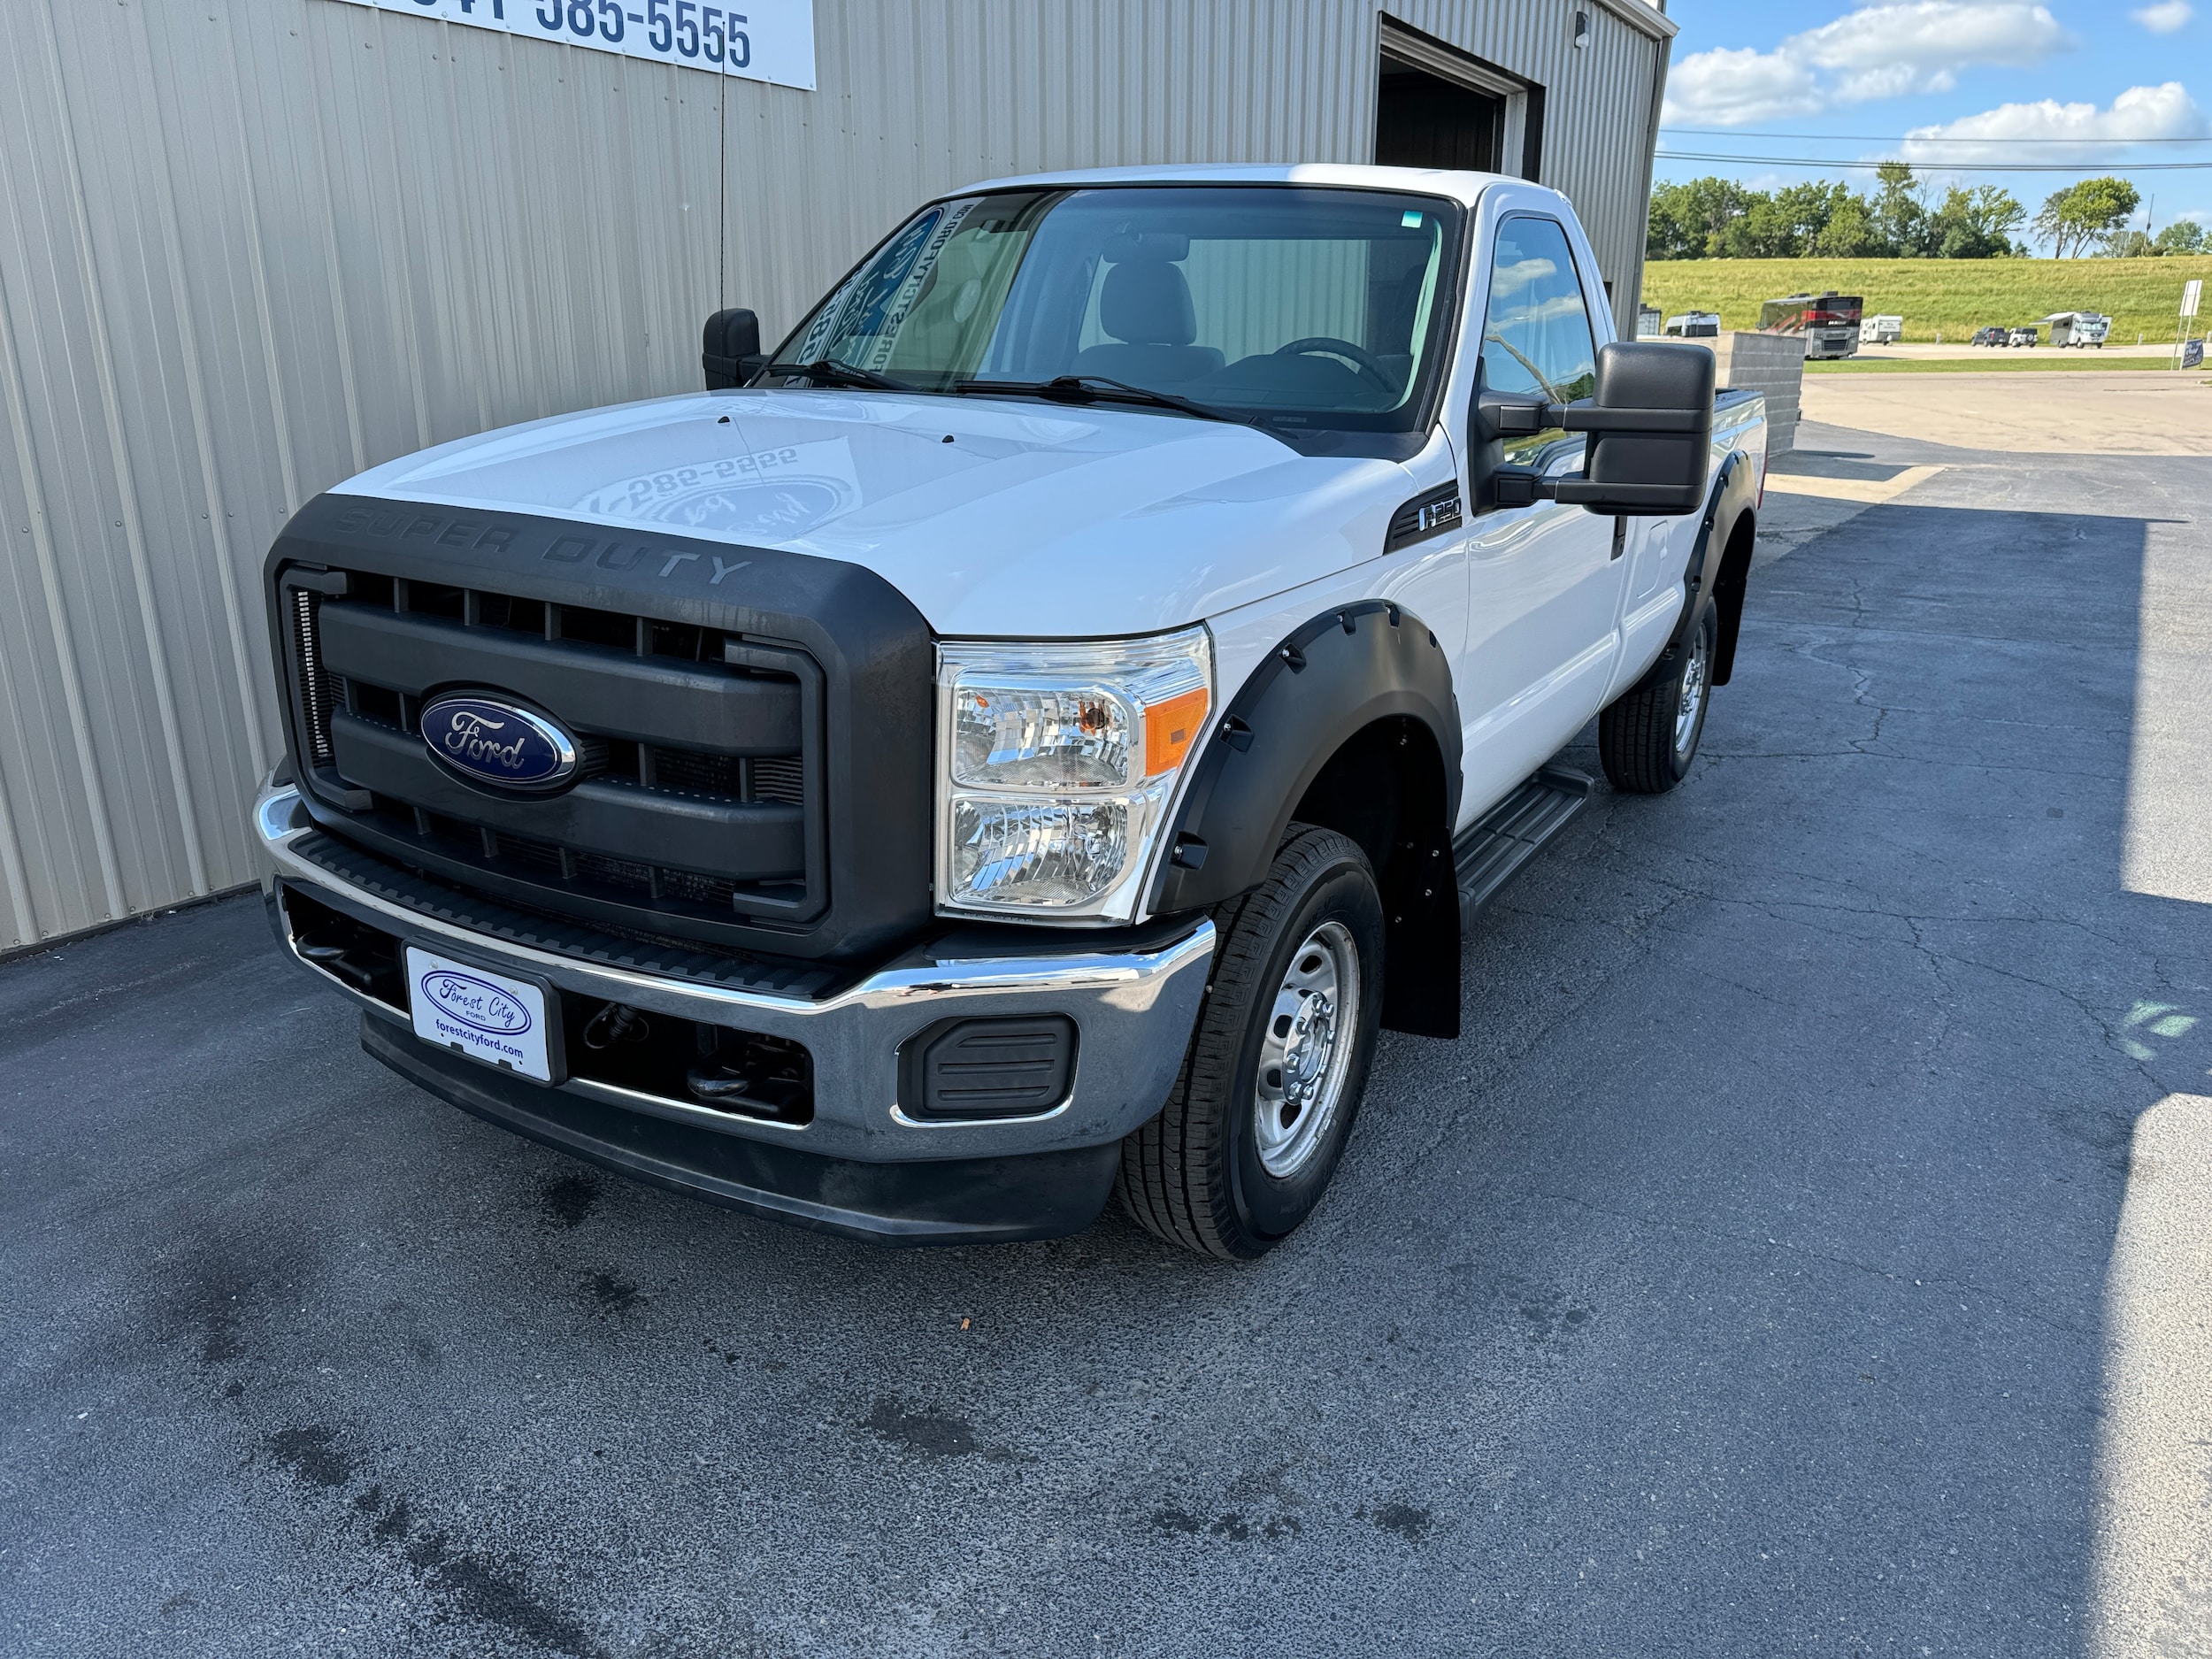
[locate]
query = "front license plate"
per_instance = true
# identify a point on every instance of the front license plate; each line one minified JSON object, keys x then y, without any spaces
{"x":485,"y":1015}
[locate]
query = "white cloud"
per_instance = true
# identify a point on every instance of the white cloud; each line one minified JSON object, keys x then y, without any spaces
{"x":1879,"y":51}
{"x":2141,"y":112}
{"x":2165,"y":17}
{"x":1886,"y":52}
{"x":1732,"y":87}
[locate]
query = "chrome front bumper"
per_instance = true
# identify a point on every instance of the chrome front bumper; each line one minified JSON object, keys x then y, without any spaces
{"x":1134,"y":1013}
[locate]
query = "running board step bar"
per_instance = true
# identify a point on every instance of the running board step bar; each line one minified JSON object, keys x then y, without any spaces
{"x":1511,"y":832}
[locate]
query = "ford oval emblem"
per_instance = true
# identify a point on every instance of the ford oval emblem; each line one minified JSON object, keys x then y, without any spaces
{"x":487,"y":739}
{"x":476,"y":1003}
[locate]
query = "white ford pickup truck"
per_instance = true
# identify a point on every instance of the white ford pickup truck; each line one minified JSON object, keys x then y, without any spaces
{"x":1019,"y":740}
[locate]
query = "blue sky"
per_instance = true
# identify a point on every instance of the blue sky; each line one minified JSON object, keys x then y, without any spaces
{"x":2110,"y":85}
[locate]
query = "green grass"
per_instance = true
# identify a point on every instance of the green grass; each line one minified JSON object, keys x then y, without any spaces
{"x":1956,"y":295}
{"x":1994,"y":362}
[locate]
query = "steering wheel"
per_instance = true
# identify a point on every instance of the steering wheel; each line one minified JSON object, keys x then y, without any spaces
{"x":1360,"y":358}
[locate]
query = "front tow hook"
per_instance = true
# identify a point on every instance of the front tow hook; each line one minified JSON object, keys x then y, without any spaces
{"x":714,"y":1085}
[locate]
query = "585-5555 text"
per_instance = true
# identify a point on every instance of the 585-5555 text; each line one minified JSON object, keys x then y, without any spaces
{"x":683,"y":28}
{"x":770,"y":40}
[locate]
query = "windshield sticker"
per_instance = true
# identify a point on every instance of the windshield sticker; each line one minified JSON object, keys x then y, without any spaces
{"x":860,"y":327}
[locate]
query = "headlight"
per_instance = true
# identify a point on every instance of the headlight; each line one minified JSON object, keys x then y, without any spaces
{"x":1056,"y":765}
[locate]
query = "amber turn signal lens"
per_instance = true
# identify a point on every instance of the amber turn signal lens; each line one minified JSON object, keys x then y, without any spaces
{"x":1169,"y":729}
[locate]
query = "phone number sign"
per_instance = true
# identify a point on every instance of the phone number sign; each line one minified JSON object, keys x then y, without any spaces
{"x":756,"y":40}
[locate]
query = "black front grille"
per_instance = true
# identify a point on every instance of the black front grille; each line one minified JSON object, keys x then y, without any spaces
{"x":753,"y":724}
{"x":692,"y":800}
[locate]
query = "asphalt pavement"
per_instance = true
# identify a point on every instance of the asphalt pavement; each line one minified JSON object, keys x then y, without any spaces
{"x":2076,"y":417}
{"x":1741,"y":1283}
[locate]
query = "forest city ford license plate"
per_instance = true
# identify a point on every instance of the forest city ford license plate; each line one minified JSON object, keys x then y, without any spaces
{"x":483,"y":1015}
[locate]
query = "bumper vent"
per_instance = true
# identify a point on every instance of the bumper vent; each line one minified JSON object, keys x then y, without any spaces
{"x":988,"y":1068}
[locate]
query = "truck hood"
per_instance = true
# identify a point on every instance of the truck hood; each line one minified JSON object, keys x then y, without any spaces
{"x":995,"y":517}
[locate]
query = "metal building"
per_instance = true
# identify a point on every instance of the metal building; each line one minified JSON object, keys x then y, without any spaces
{"x":252,"y":247}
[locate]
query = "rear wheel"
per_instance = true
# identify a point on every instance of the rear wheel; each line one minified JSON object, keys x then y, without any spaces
{"x":1648,"y":737}
{"x":1257,"y":1122}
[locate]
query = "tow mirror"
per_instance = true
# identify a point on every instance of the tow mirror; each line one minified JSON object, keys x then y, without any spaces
{"x":730,"y":350}
{"x":1651,"y":434}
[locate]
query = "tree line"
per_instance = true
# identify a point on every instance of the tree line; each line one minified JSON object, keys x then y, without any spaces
{"x":1898,"y":218}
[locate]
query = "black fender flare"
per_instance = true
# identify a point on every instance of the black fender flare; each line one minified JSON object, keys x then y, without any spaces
{"x":1336,"y":675}
{"x":1369,"y":667}
{"x":1705,"y":579}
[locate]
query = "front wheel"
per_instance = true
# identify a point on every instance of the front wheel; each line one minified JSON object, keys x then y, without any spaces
{"x":1648,"y":737}
{"x":1252,"y":1130}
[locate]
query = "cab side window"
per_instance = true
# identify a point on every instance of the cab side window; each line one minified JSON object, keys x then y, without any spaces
{"x":1536,"y":340}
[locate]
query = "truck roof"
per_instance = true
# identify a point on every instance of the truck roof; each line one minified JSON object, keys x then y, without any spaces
{"x":1460,"y":187}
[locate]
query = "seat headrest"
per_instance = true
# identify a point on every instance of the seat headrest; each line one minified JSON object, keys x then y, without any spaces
{"x":1146,"y":302}
{"x":1172,"y":246}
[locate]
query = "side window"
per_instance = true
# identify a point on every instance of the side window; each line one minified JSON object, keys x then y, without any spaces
{"x":1536,"y":340}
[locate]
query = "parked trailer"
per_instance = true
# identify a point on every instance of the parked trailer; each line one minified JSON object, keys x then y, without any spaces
{"x":1696,"y":326}
{"x":1829,"y":322}
{"x":2078,"y":328}
{"x":1881,"y":331}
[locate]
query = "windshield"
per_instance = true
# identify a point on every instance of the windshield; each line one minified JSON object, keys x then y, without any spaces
{"x":1282,"y":305}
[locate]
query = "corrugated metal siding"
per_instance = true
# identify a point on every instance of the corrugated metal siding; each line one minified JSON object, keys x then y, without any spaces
{"x":250,"y":247}
{"x":920,"y":98}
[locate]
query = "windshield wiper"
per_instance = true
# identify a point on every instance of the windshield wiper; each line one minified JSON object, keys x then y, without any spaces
{"x":1094,"y":388}
{"x":838,"y":373}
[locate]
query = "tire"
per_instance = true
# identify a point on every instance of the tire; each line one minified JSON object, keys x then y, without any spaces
{"x":1649,"y":736}
{"x":1235,"y":1161}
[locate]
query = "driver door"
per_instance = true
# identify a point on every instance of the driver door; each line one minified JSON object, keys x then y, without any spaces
{"x":1544,"y":583}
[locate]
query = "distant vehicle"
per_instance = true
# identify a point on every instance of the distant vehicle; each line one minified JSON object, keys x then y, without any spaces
{"x":2024,"y":336}
{"x":1648,"y":325}
{"x":1696,"y":326}
{"x":1881,"y":331}
{"x":1829,"y":322}
{"x":2078,"y":328}
{"x":1990,"y":337}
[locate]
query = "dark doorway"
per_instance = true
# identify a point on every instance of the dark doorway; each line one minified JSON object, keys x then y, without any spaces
{"x":1424,"y":121}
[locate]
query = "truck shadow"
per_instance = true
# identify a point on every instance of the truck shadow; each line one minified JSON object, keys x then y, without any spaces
{"x":1839,"y":1096}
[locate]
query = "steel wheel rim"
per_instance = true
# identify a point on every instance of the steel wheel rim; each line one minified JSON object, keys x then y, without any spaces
{"x":1306,"y":1050}
{"x":1691,"y":704}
